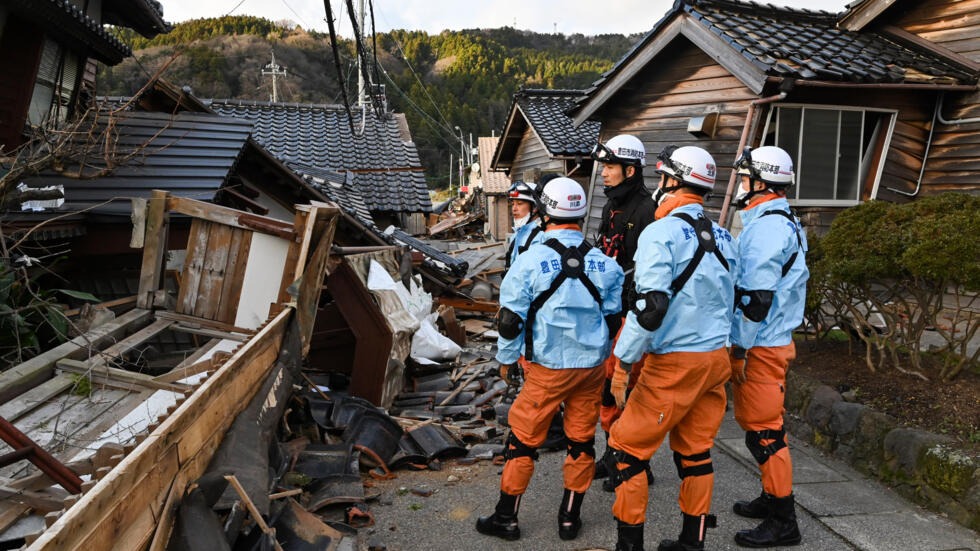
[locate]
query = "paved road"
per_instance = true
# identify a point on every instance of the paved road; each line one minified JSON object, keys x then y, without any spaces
{"x":838,"y":508}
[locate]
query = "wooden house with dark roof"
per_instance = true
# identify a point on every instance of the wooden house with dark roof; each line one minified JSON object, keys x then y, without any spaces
{"x":856,"y":99}
{"x":539,"y":138}
{"x":495,"y":185}
{"x":49,"y":49}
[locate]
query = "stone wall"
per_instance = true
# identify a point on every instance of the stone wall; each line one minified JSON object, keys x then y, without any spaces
{"x":929,"y":469}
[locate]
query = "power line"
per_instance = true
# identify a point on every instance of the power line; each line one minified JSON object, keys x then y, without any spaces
{"x":235,"y":8}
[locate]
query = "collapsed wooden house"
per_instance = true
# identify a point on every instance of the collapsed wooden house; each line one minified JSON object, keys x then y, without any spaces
{"x":228,"y":278}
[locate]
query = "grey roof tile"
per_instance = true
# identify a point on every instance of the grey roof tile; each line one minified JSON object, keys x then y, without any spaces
{"x":387,"y":173}
{"x":546,"y":111}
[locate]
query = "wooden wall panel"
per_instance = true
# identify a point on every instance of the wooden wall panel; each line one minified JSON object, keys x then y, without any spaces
{"x":531,"y":154}
{"x":954,"y":24}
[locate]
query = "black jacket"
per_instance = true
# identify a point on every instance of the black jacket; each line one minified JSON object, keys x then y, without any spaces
{"x":629,"y":209}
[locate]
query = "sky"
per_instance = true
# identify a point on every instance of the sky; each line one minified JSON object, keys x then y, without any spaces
{"x":588,"y":17}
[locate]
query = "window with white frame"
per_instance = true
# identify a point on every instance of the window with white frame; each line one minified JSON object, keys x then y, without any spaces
{"x":54,"y":87}
{"x":836,"y":150}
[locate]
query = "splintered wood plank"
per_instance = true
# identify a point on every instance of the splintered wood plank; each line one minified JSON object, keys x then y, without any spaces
{"x":35,"y":397}
{"x":190,"y":278}
{"x":213,"y":272}
{"x":231,"y":217}
{"x":40,"y":368}
{"x":315,"y":271}
{"x":237,"y":261}
{"x":155,"y":244}
{"x":121,"y":376}
{"x":142,"y":480}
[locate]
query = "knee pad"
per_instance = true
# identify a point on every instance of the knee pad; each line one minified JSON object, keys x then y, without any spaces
{"x":510,"y":324}
{"x":515,"y":448}
{"x":634,"y":466}
{"x":753,"y":441}
{"x":695,"y":470}
{"x":575,"y":449}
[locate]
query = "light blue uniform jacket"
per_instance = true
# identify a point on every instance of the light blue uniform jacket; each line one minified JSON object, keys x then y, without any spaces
{"x":764,"y":246}
{"x":699,"y":318}
{"x":570,"y":330}
{"x":523,"y":235}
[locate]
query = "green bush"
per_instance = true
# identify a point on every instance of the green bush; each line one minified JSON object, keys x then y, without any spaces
{"x":889,"y":272}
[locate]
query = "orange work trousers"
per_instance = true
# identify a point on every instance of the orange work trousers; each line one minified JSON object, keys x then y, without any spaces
{"x":759,"y":406}
{"x":530,"y":416}
{"x":608,"y":412}
{"x":681,"y":394}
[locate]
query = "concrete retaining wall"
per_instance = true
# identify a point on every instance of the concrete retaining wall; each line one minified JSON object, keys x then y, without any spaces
{"x":927,"y":468}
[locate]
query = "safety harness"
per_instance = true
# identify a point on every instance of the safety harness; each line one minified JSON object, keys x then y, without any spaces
{"x":527,"y":245}
{"x":572,"y":267}
{"x":706,"y":244}
{"x":799,"y":240}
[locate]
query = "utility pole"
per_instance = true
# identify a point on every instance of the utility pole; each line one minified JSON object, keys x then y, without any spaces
{"x":274,"y":70}
{"x":361,"y":85}
{"x":450,"y":174}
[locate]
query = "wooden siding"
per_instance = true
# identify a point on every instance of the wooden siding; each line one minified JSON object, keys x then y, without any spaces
{"x":953,"y":24}
{"x":498,"y":216}
{"x":531,"y":154}
{"x":681,"y":82}
{"x":954,"y":159}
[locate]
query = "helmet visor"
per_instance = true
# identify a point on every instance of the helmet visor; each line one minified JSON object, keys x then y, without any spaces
{"x":603,"y":154}
{"x":665,"y":162}
{"x":743,"y":165}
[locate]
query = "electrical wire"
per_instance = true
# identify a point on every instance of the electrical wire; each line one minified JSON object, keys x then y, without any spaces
{"x":235,"y":8}
{"x":336,"y":60}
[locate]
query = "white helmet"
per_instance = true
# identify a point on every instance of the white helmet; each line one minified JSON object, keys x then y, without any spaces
{"x":769,"y":164}
{"x":623,"y":149}
{"x":690,"y":165}
{"x":523,"y":191}
{"x":563,"y":199}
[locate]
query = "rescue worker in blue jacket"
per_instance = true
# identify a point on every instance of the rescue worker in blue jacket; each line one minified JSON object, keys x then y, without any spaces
{"x":527,"y":223}
{"x":680,"y":316}
{"x":556,"y":302}
{"x":770,"y":290}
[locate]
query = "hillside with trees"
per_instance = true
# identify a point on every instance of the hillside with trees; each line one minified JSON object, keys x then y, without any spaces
{"x":455,"y":78}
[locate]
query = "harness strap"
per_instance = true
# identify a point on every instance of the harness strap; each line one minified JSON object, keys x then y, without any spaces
{"x":530,"y":237}
{"x":695,"y":470}
{"x":706,"y":243}
{"x":569,"y":255}
{"x":799,"y":240}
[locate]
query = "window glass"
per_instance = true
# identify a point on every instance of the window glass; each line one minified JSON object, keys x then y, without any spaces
{"x":832,"y":149}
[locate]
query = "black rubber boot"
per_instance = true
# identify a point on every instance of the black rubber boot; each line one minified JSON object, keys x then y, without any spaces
{"x":693,"y":528}
{"x":757,"y":508}
{"x":569,"y":515}
{"x":503,"y":522}
{"x":777,"y":530}
{"x":629,"y":536}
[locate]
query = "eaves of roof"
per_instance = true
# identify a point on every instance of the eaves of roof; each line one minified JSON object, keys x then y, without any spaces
{"x":143,"y":16}
{"x":69,"y":24}
{"x":758,"y":43}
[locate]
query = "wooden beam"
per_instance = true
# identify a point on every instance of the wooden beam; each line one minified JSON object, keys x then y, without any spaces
{"x":117,"y":350}
{"x":213,"y":333}
{"x":107,"y":304}
{"x":466,"y":304}
{"x":231,"y":217}
{"x":154,"y":247}
{"x":193,"y":321}
{"x":40,"y":368}
{"x":43,"y":501}
{"x":35,"y":397}
{"x":119,"y":376}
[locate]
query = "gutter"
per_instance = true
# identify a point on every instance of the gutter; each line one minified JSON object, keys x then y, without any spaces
{"x":749,"y":118}
{"x":925,"y":156}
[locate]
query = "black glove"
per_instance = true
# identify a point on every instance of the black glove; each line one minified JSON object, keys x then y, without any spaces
{"x":512,"y":374}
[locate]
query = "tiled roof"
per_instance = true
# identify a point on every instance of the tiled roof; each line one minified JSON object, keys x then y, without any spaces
{"x":802,"y":44}
{"x":387,"y":171}
{"x":808,"y":45}
{"x":493,"y":181}
{"x":546,"y":111}
{"x":143,"y":16}
{"x":187,"y":154}
{"x":337,"y":187}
